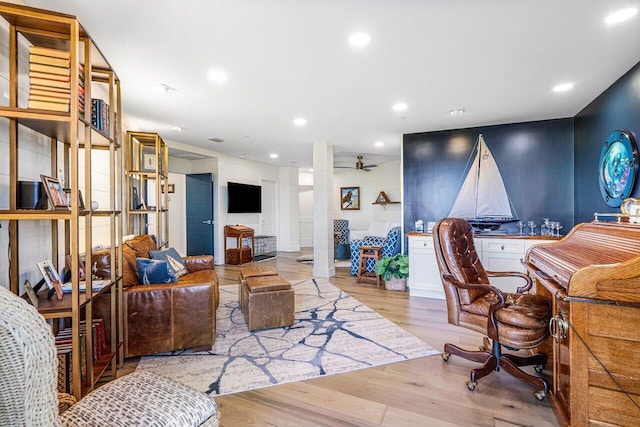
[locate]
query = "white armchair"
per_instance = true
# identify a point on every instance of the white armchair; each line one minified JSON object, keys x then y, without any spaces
{"x":377,"y":228}
{"x":28,"y":384}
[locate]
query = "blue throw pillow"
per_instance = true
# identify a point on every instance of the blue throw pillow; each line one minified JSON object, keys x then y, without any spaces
{"x":153,"y":271}
{"x":171,"y":255}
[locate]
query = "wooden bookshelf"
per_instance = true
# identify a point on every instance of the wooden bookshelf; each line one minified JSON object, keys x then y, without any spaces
{"x":72,"y":141}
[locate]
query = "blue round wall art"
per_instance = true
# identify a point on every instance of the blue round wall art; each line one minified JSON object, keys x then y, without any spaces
{"x":618,"y":167}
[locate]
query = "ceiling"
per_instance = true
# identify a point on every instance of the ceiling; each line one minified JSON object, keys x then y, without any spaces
{"x":496,"y":59}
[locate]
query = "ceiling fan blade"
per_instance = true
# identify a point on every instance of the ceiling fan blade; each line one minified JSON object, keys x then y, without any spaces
{"x":343,"y":167}
{"x":365,"y":169}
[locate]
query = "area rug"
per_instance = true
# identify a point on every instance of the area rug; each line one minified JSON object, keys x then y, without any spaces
{"x":333,"y":333}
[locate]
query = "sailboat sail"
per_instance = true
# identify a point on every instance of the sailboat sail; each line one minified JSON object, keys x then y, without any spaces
{"x":483,"y":194}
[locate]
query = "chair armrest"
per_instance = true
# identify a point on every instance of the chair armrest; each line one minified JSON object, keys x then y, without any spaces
{"x":199,"y":262}
{"x":528,"y":283}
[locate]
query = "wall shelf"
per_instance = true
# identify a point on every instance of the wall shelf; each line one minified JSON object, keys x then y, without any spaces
{"x":384,"y":200}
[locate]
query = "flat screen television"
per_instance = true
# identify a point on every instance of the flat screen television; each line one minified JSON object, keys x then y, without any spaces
{"x":244,"y":198}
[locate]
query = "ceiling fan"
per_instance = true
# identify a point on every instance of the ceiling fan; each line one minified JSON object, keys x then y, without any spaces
{"x":359,"y":166}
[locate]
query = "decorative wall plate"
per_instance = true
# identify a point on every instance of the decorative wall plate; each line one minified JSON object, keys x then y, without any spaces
{"x":618,"y":167}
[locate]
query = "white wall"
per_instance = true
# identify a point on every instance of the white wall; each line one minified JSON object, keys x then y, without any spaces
{"x":386,"y":177}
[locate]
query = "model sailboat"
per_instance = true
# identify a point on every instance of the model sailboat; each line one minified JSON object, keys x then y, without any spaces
{"x":483,"y":198}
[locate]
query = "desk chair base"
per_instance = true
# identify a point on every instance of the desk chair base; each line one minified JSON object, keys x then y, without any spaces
{"x":494,"y":360}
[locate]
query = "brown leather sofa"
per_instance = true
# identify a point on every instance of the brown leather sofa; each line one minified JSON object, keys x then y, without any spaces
{"x":162,"y":317}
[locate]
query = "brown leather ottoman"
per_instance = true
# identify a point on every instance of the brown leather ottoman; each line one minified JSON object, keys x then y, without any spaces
{"x":266,"y":299}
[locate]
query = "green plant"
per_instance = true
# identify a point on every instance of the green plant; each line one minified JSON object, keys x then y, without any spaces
{"x":390,"y":267}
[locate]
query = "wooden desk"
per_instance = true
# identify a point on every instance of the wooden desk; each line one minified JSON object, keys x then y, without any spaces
{"x":240,"y":254}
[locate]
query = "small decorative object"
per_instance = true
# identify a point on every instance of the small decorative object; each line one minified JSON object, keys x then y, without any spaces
{"x":33,"y":298}
{"x":94,"y":205}
{"x":55,"y":192}
{"x":532,"y":225}
{"x":51,"y":278}
{"x":521,"y":226}
{"x":149,"y":162}
{"x":81,"y":270}
{"x":349,"y":198}
{"x":631,"y":208}
{"x":383,"y":200}
{"x":618,"y":167}
{"x":394,"y":270}
{"x":67,"y":193}
{"x":419,"y":226}
{"x":171,"y":188}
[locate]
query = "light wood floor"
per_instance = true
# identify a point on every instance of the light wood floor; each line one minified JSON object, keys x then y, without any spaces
{"x":420,"y":392}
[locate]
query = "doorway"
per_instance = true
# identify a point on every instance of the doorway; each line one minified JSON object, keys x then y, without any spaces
{"x":200,"y":224}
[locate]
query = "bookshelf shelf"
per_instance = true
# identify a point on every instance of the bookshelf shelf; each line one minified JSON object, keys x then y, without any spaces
{"x":64,"y":68}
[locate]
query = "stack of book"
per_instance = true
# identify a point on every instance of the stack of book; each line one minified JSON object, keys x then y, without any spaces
{"x":81,"y":108}
{"x":100,"y":115}
{"x":50,"y":79}
{"x":64,"y":347}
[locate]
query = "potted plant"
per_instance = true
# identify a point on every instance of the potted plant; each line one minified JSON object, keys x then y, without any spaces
{"x":394,"y":270}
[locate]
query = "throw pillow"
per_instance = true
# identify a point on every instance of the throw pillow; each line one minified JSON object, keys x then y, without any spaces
{"x":171,"y":255}
{"x":152,"y":271}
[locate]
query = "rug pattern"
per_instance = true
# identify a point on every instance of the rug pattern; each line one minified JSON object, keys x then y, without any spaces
{"x":333,"y":333}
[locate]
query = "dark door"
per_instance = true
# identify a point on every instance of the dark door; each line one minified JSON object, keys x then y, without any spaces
{"x":200,"y":224}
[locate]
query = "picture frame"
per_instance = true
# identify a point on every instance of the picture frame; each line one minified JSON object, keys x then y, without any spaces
{"x":81,"y":269}
{"x":49,"y":273}
{"x":31,"y":294}
{"x":135,"y":198}
{"x":171,"y":188}
{"x":67,"y":193}
{"x":349,"y":198}
{"x":55,"y":192}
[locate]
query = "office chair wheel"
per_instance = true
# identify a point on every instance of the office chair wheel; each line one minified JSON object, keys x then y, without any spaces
{"x":471,"y":385}
{"x":538,"y":368}
{"x":445,"y":356}
{"x":540,"y":395}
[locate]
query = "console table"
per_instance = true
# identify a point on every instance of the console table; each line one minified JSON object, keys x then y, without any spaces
{"x":239,"y":254}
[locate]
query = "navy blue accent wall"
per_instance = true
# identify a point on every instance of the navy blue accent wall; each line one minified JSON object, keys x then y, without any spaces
{"x":534,"y":158}
{"x":618,"y":108}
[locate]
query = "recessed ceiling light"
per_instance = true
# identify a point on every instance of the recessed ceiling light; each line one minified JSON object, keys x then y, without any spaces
{"x":273,"y":155}
{"x":359,"y":39}
{"x":242,"y":156}
{"x":400,"y":106}
{"x":379,"y":144}
{"x":456,"y":111}
{"x":215,"y":139}
{"x":178,"y":128}
{"x":621,"y":15}
{"x":300,"y":121}
{"x":217,"y":76}
{"x":563,"y":87}
{"x":310,"y":169}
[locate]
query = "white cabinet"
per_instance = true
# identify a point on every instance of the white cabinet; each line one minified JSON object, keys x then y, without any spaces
{"x":424,"y":276}
{"x":496,"y":254}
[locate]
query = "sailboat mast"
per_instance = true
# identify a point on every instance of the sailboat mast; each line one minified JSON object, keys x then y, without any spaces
{"x":478,"y":158}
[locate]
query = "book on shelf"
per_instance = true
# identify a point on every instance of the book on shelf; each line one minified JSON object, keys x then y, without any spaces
{"x":53,"y":106}
{"x":98,"y":344}
{"x":50,"y":89}
{"x":49,"y":60}
{"x":63,"y":340}
{"x":60,"y":96}
{"x":100,"y":115}
{"x":65,"y":376}
{"x":50,"y":83}
{"x":50,"y":69}
{"x":47,"y":51}
{"x":49,"y":76}
{"x":96,"y":285}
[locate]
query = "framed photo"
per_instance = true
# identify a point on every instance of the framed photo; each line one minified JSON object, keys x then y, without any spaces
{"x":33,"y":298}
{"x":67,"y":193}
{"x":81,"y":270}
{"x":55,"y":192}
{"x":349,"y":198}
{"x":49,"y":273}
{"x":171,"y":188}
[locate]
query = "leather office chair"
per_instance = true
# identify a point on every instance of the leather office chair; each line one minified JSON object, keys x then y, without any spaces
{"x":513,"y":320}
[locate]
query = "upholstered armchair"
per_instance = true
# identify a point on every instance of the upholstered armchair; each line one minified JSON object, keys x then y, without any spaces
{"x":390,"y":246}
{"x":28,"y":384}
{"x":514,"y":321}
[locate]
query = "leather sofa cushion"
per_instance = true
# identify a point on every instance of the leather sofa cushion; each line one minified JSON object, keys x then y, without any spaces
{"x":142,"y":245}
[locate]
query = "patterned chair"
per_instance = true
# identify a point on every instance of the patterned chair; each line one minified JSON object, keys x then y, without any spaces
{"x":341,"y":238}
{"x":28,"y":384}
{"x":390,"y":246}
{"x":341,"y":231}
